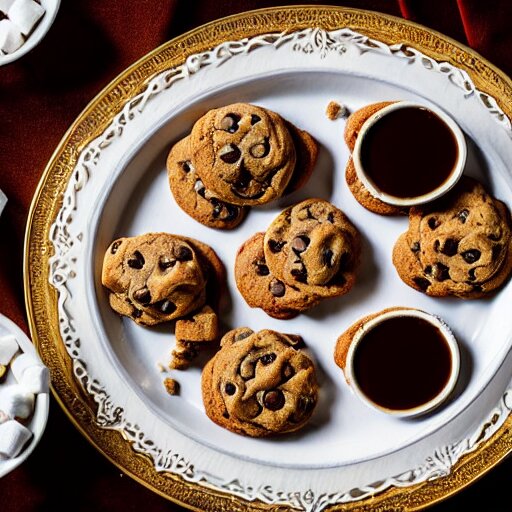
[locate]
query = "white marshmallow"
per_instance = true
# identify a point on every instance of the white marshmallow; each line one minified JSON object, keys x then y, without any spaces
{"x":25,"y":14}
{"x":10,"y":37}
{"x":13,"y":437}
{"x":8,"y":347}
{"x":5,"y":5}
{"x":3,"y":197}
{"x":16,"y":402}
{"x":30,"y":373}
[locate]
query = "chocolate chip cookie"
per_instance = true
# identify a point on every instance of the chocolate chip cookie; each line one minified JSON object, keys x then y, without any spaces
{"x":259,"y":384}
{"x":355,"y":185}
{"x":243,"y":154}
{"x":459,"y":245}
{"x":193,"y":197}
{"x":313,"y":247}
{"x":261,"y":289}
{"x":156,"y":277}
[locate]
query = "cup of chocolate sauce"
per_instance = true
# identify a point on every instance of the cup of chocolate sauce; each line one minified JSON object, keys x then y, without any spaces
{"x":408,"y":154}
{"x":404,"y":362}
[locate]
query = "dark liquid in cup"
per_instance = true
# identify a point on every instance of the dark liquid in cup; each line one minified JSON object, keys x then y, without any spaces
{"x":409,"y":152}
{"x":402,"y":363}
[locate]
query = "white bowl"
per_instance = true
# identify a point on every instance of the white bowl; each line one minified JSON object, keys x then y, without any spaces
{"x":452,"y":347}
{"x":51,"y":7}
{"x":37,"y":421}
{"x":425,"y":198}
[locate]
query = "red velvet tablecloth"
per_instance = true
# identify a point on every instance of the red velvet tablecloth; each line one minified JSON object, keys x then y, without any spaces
{"x":89,"y":44}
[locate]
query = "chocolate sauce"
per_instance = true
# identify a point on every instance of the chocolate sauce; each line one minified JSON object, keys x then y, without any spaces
{"x":402,"y":363}
{"x":409,"y":152}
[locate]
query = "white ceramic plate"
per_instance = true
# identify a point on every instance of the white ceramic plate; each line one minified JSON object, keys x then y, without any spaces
{"x":37,"y":421}
{"x":119,"y":188}
{"x":51,"y":8}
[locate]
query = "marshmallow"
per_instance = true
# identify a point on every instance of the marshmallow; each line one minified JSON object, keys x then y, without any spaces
{"x":10,"y":37}
{"x":13,"y":437}
{"x":8,"y":347}
{"x":25,"y":14}
{"x":5,"y":5}
{"x":33,"y":376}
{"x":16,"y":402}
{"x":3,"y":197}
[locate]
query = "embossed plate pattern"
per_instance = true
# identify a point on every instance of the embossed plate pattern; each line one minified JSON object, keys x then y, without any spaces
{"x":107,"y":178}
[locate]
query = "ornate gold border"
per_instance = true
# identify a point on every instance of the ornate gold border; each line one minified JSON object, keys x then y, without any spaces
{"x":41,"y":298}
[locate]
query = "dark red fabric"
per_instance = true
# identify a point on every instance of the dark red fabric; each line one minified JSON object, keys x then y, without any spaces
{"x":90,"y":43}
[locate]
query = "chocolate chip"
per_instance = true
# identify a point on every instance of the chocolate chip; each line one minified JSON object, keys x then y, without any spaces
{"x":471,"y":274}
{"x":415,"y":247}
{"x":471,"y":256}
{"x":300,"y":243}
{"x":115,"y":246}
{"x":268,"y":359}
{"x":288,"y":371}
{"x":244,"y":334}
{"x":428,"y":269}
{"x":277,"y":288}
{"x":327,"y":255}
{"x":226,"y":414}
{"x":260,"y":150}
{"x":230,"y":154}
{"x":300,"y":274}
{"x":494,"y":237}
{"x":262,"y":269}
{"x":496,"y":250}
{"x":441,"y":272}
{"x":450,"y":247}
{"x":217,"y":208}
{"x":136,"y":313}
{"x":231,"y":212}
{"x":275,"y":246}
{"x":230,"y":123}
{"x":200,"y":188}
{"x":166,"y":262}
{"x":477,"y":288}
{"x":136,"y":261}
{"x":330,"y":217}
{"x":166,"y":306}
{"x":255,"y":119}
{"x":143,"y":296}
{"x":432,"y":223}
{"x":463,"y":215}
{"x":230,"y":388}
{"x":421,"y":283}
{"x":274,"y":399}
{"x":183,"y":253}
{"x":186,"y":166}
{"x":306,"y":404}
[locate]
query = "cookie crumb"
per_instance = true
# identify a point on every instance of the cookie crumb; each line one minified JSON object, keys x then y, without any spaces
{"x":335,"y":110}
{"x":183,"y":355}
{"x":172,"y":386}
{"x":161,"y":368}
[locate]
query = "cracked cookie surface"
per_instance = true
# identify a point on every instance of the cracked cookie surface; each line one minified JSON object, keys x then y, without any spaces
{"x":192,"y":196}
{"x":314,"y":247}
{"x":243,"y":154}
{"x":460,"y":245}
{"x":259,"y":384}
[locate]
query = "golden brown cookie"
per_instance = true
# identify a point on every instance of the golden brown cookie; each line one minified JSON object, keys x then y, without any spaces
{"x":192,"y":196}
{"x":243,"y":154}
{"x":355,"y":185}
{"x":153,"y":278}
{"x":261,"y":289}
{"x":313,"y":247}
{"x":459,"y":245}
{"x":259,"y":384}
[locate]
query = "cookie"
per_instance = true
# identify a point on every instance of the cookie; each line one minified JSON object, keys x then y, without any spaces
{"x":459,"y":245}
{"x":313,"y":247}
{"x":261,"y":289}
{"x":192,"y":196}
{"x":157,"y":277}
{"x":243,"y":154}
{"x":259,"y":384}
{"x":191,"y":333}
{"x":355,"y":185}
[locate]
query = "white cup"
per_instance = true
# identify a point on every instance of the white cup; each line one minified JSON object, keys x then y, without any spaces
{"x":375,"y":191}
{"x":383,"y":317}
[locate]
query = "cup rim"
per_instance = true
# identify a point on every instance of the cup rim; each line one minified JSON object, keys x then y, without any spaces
{"x":405,"y":312}
{"x":416,"y":200}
